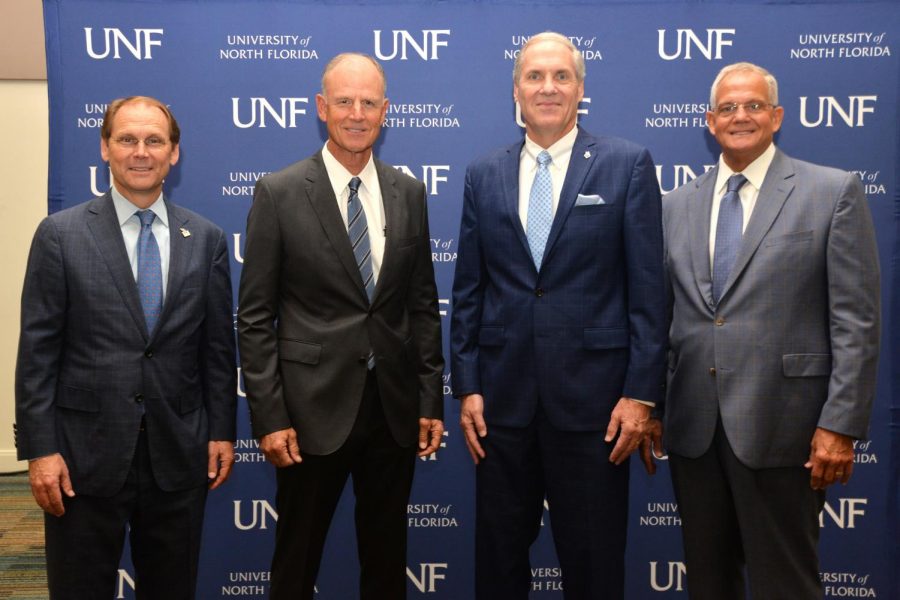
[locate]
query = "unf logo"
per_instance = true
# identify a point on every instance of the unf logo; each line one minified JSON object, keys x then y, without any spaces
{"x":431,"y":175}
{"x":829,"y":106}
{"x":674,"y":576}
{"x":686,"y":40}
{"x":681,"y":174}
{"x":283,"y":112}
{"x":260,"y":513}
{"x":123,"y":582}
{"x":140,"y":46}
{"x":428,"y":576}
{"x":402,"y":41}
{"x":847,"y":511}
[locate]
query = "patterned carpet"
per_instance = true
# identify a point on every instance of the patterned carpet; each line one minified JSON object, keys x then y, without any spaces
{"x":22,"y":575}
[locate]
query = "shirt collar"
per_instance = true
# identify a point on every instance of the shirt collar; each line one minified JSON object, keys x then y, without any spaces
{"x":558,"y":149}
{"x":755,"y":171}
{"x":340,"y":177}
{"x":125,"y":209}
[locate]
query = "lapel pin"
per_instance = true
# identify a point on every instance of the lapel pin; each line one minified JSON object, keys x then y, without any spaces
{"x":587,"y":153}
{"x":185,"y":232}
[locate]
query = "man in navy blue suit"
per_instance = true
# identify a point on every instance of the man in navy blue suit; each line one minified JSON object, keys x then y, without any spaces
{"x":125,"y":381}
{"x":558,"y":333}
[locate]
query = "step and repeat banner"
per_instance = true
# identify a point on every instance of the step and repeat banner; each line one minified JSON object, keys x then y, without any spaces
{"x":241,"y":78}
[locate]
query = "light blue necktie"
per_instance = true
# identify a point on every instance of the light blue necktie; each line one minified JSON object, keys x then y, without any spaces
{"x":358,"y":229}
{"x":540,"y":209}
{"x":729,"y":231}
{"x":149,"y":270}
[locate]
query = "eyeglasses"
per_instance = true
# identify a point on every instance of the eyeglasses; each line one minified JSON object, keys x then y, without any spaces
{"x":751,"y":108}
{"x":153,"y":142}
{"x":348,"y":104}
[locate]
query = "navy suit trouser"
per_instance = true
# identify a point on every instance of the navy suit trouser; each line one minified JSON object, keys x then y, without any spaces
{"x":588,"y":505}
{"x":84,"y":546}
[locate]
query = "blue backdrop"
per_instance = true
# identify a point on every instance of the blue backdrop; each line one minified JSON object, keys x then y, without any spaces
{"x":241,"y":78}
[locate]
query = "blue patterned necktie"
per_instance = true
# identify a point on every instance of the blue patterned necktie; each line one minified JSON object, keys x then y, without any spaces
{"x":358,"y":229}
{"x":540,"y":209}
{"x":149,"y":270}
{"x":729,"y":231}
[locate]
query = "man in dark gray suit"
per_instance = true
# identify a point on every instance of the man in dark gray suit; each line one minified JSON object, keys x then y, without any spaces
{"x":340,"y":338}
{"x":774,"y":338}
{"x":125,"y":381}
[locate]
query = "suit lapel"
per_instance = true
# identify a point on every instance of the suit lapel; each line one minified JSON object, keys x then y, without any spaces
{"x":180,"y":250}
{"x":580,"y":163}
{"x":509,"y":192}
{"x":104,"y":226}
{"x":699,"y":210}
{"x":321,"y":197}
{"x":776,"y":188}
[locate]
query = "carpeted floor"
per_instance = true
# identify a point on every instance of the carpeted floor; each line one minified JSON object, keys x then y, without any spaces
{"x":22,"y":575}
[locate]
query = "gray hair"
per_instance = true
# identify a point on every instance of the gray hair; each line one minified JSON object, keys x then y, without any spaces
{"x":550,"y":36}
{"x":745,"y":66}
{"x":334,"y":62}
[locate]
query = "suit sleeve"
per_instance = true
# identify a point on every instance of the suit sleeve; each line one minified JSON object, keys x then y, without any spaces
{"x":854,"y":313}
{"x":257,"y":312}
{"x":41,"y":340}
{"x":468,"y":297}
{"x":217,"y":357}
{"x":646,"y":283}
{"x":425,"y":321}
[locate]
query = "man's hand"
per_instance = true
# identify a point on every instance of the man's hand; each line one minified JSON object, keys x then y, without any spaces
{"x":652,"y":444}
{"x":430,"y":433}
{"x":49,"y":478}
{"x":830,"y":458}
{"x":631,"y":419}
{"x":281,"y":447}
{"x":471,"y":419}
{"x":221,"y":459}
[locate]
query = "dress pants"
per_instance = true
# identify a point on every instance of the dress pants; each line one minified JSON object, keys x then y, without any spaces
{"x":733,"y":516}
{"x":588,"y":500}
{"x":308,"y":494}
{"x":84,"y":546}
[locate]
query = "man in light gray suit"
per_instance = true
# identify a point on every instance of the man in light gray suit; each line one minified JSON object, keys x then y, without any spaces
{"x":774,"y":284}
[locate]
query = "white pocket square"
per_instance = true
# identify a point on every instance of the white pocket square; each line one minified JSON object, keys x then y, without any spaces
{"x":589,"y":200}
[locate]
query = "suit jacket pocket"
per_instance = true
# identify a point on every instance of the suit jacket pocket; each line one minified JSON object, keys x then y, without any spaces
{"x":604,"y":338}
{"x":297,"y":351}
{"x":190,"y":400}
{"x":790,"y":238}
{"x":492,"y":335}
{"x":806,"y":365}
{"x":77,"y":399}
{"x":407,"y":242}
{"x":591,"y":209}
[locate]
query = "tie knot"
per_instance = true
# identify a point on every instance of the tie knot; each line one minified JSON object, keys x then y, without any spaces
{"x":146,"y":217}
{"x":543,"y":158}
{"x":354,"y":185}
{"x":735,"y":182}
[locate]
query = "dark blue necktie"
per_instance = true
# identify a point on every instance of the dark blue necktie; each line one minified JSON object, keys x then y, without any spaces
{"x":540,"y":209}
{"x":149,"y":270}
{"x":358,"y":229}
{"x":729,"y":231}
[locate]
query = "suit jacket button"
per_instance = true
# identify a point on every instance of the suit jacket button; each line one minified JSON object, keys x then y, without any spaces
{"x":363,"y":359}
{"x":712,"y":371}
{"x":149,"y":353}
{"x":138,"y":398}
{"x":720,"y":321}
{"x":539,"y":292}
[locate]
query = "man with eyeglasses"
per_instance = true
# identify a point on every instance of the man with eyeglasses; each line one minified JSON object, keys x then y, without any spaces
{"x":340,"y":339}
{"x":774,"y":291}
{"x":125,"y":381}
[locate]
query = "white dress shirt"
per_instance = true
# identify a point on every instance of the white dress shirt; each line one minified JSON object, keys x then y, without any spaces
{"x":560,"y":153}
{"x":131,"y":231}
{"x":369,"y":196}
